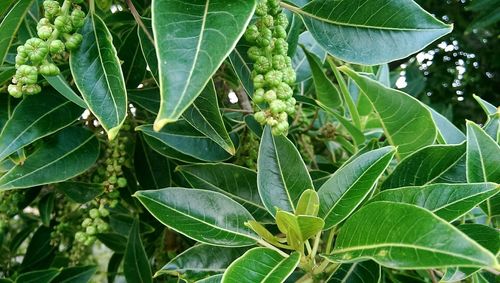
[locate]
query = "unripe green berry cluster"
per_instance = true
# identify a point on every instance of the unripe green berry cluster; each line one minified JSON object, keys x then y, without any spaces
{"x":92,"y":225}
{"x":273,"y":74}
{"x":32,"y":58}
{"x":247,"y":153}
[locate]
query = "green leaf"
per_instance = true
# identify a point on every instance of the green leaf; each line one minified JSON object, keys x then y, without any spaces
{"x":136,"y":266}
{"x":113,"y":266}
{"x":448,"y":201}
{"x":212,"y":279}
{"x":148,"y":48}
{"x":236,"y":182}
{"x":308,"y":203}
{"x":447,"y":132}
{"x":65,"y":155}
{"x":405,"y":236}
{"x":4,"y":7}
{"x":36,"y":117}
{"x":152,"y":169}
{"x":282,"y":175}
{"x":134,"y":64}
{"x":359,"y":272}
{"x":487,"y":107}
{"x":327,"y":93}
{"x":10,"y":24}
{"x":80,"y":192}
{"x":372,"y":32}
{"x":350,"y":185}
{"x":299,"y":60}
{"x":60,"y":84}
{"x":485,"y":236}
{"x":193,"y":39}
{"x":399,"y":113}
{"x":114,"y":241}
{"x":39,"y":276}
{"x":243,"y":66}
{"x":206,"y":216}
{"x":40,"y":252}
{"x":185,"y":139}
{"x":76,"y":274}
{"x":483,"y":156}
{"x":201,"y":261}
{"x":427,"y":165}
{"x":97,"y":72}
{"x":298,"y":228}
{"x":45,"y":207}
{"x":261,"y":265}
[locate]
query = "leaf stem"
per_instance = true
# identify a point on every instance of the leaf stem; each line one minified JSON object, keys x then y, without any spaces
{"x":91,"y":6}
{"x":267,"y":245}
{"x":139,"y":21}
{"x":290,"y":7}
{"x":315,"y":245}
{"x":329,"y":242}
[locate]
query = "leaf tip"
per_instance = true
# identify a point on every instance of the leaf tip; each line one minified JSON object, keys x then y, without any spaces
{"x":112,"y":133}
{"x":161,"y":122}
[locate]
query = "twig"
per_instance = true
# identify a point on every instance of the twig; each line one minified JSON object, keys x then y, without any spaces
{"x":138,"y":19}
{"x":235,"y":110}
{"x":244,"y":101}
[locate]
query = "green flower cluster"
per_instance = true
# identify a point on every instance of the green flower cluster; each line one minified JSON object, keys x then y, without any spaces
{"x":247,"y":153}
{"x":9,"y":206}
{"x":273,"y":75}
{"x":32,"y":57}
{"x":93,"y":224}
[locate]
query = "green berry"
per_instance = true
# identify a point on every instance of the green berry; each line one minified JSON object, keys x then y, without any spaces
{"x":94,"y":213}
{"x":15,"y":90}
{"x":26,"y":74}
{"x":279,"y":62}
{"x":74,"y":41}
{"x":37,"y":49}
{"x":56,"y":47}
{"x":259,"y":81}
{"x":21,"y":51}
{"x":122,"y":182}
{"x":283,"y":117}
{"x":77,"y":18}
{"x":43,"y":22}
{"x":267,"y":21}
{"x":87,"y":222}
{"x":271,"y":121}
{"x":91,"y":230}
{"x":90,"y":240}
{"x":281,"y":46}
{"x":254,"y":53}
{"x":49,"y":69}
{"x":51,"y":8}
{"x":258,"y":96}
{"x":31,"y":89}
{"x":44,"y":32}
{"x":261,"y":9}
{"x":63,"y":24}
{"x":270,"y":96}
{"x":282,"y":20}
{"x":289,"y":76}
{"x":113,"y":203}
{"x":279,"y":32}
{"x":80,"y":236}
{"x":260,"y":117}
{"x":252,"y":33}
{"x":277,"y":106}
{"x":103,"y":211}
{"x":102,"y":227}
{"x":284,"y":91}
{"x":114,"y":194}
{"x":20,"y":60}
{"x":274,"y":78}
{"x":262,"y":65}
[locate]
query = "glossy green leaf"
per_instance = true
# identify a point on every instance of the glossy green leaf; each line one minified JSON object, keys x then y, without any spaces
{"x":39,"y":276}
{"x":405,"y":236}
{"x":447,"y":132}
{"x":308,"y":203}
{"x":261,"y":265}
{"x":113,"y":266}
{"x":243,"y":66}
{"x":282,"y":175}
{"x":60,"y":84}
{"x":487,"y":107}
{"x":399,"y":113}
{"x":201,"y":261}
{"x":114,"y":241}
{"x":301,"y":227}
{"x":212,"y":279}
{"x":350,"y":185}
{"x":427,"y":165}
{"x":486,"y":236}
{"x":184,"y":138}
{"x":448,"y":201}
{"x":80,"y":192}
{"x":193,"y":39}
{"x":45,"y":207}
{"x":359,"y":272}
{"x":146,"y":98}
{"x":10,"y":24}
{"x":299,"y":60}
{"x":152,"y":169}
{"x":40,"y":252}
{"x":66,"y":155}
{"x":136,"y":266}
{"x":134,"y":64}
{"x":483,"y":156}
{"x":76,"y":274}
{"x":97,"y":72}
{"x":206,"y":216}
{"x":327,"y":93}
{"x":4,"y":7}
{"x":35,"y":117}
{"x":393,"y":29}
{"x":236,"y":182}
{"x":148,"y":48}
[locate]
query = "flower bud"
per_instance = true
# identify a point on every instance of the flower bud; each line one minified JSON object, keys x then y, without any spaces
{"x":94,"y":213}
{"x":277,"y":106}
{"x":32,"y":89}
{"x":274,"y":78}
{"x":259,"y":81}
{"x":56,"y":47}
{"x":74,"y":41}
{"x":44,"y":32}
{"x":77,"y":18}
{"x":270,"y":96}
{"x":63,"y":24}
{"x":261,"y":9}
{"x":254,"y":53}
{"x":252,"y":33}
{"x":51,"y":8}
{"x":260,"y":117}
{"x":49,"y":69}
{"x":15,"y":90}
{"x":289,"y":76}
{"x":122,"y":182}
{"x":27,"y":75}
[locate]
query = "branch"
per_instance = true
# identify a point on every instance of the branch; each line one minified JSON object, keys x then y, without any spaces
{"x":138,"y":19}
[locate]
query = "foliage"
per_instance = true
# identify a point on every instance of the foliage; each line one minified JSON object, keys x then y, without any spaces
{"x":129,"y":159}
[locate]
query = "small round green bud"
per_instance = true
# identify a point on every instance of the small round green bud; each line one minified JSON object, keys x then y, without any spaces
{"x":102,"y":227}
{"x":51,"y":8}
{"x":281,"y":46}
{"x":113,"y":203}
{"x":289,"y":76}
{"x":44,"y":32}
{"x":37,"y":49}
{"x":63,"y":24}
{"x":276,"y":131}
{"x":273,"y":3}
{"x":275,"y":11}
{"x":267,"y":21}
{"x":271,"y":121}
{"x":56,"y":47}
{"x":122,"y":182}
{"x":21,"y":51}
{"x":259,"y":81}
{"x":74,"y":41}
{"x":112,"y":179}
{"x":43,"y":22}
{"x":254,"y":53}
{"x":284,"y":91}
{"x":49,"y":69}
{"x":279,"y":62}
{"x":258,"y":96}
{"x":80,"y":237}
{"x":89,"y":241}
{"x":77,"y":18}
{"x":279,"y":32}
{"x":283,"y":126}
{"x":282,"y":20}
{"x":114,"y":194}
{"x":20,"y":60}
{"x":288,"y":62}
{"x":265,"y":37}
{"x":91,"y":230}
{"x":87,"y":222}
{"x":274,"y":78}
{"x":15,"y":90}
{"x":252,"y":33}
{"x":283,"y":117}
{"x":277,"y":106}
{"x":261,"y":9}
{"x":26,"y":74}
{"x":260,"y":117}
{"x":262,"y":65}
{"x":32,"y":89}
{"x":270,"y":96}
{"x":103,"y":211}
{"x":94,"y":213}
